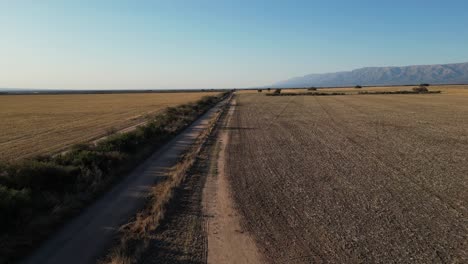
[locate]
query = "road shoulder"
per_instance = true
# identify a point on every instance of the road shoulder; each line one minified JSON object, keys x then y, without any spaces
{"x":228,"y":242}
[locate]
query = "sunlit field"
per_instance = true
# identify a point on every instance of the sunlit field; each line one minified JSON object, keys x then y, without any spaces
{"x":43,"y":124}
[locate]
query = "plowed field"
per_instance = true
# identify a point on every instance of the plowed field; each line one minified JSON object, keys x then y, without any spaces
{"x":352,"y":179}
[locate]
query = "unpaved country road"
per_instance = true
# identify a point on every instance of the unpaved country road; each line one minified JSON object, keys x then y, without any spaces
{"x":228,"y":242}
{"x":88,"y":235}
{"x":203,"y":225}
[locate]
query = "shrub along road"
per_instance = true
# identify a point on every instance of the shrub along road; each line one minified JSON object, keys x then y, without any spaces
{"x":84,"y":239}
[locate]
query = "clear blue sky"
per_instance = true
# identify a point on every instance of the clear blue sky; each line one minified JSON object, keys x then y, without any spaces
{"x":208,"y":44}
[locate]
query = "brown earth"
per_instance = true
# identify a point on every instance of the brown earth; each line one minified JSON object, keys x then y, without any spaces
{"x":228,"y":242}
{"x":353,"y":179}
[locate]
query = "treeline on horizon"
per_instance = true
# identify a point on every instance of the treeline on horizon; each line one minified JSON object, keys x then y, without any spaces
{"x":58,"y":91}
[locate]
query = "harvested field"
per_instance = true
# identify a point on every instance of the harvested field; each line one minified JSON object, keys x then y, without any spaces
{"x":43,"y":124}
{"x":353,"y":179}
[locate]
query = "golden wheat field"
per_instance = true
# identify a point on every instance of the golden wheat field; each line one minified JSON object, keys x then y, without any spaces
{"x":43,"y":124}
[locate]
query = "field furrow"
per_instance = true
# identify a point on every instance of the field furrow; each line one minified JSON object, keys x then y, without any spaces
{"x":44,"y":124}
{"x":352,"y":178}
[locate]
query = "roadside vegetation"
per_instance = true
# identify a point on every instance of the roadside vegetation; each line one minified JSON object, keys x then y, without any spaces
{"x":38,"y":194}
{"x":139,"y":233}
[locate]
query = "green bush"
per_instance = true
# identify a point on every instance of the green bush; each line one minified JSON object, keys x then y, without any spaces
{"x":126,"y":143}
{"x":12,"y":204}
{"x":421,"y":89}
{"x":42,"y":176}
{"x":151,"y":132}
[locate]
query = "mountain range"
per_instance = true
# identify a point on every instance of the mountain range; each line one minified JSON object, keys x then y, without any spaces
{"x":456,"y":73}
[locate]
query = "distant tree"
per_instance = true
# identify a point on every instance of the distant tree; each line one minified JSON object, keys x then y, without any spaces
{"x":277,"y":91}
{"x":421,"y":89}
{"x":312,"y":89}
{"x":259,"y":90}
{"x":269,"y":89}
{"x":424,"y":84}
{"x":358,"y":86}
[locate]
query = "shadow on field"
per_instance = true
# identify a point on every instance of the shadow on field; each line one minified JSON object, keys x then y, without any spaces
{"x":168,"y":254}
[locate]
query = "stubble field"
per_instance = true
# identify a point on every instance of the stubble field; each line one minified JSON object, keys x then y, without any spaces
{"x":43,"y":124}
{"x":353,"y":179}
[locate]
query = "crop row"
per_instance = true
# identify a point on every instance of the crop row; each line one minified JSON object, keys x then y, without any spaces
{"x":352,"y":179}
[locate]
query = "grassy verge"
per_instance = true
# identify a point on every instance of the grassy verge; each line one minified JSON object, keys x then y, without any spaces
{"x":39,"y":194}
{"x":135,"y":236}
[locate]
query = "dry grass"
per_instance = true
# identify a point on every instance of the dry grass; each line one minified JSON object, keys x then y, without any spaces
{"x":135,"y":235}
{"x":43,"y":124}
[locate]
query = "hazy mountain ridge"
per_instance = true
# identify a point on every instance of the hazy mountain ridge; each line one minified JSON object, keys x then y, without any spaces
{"x":434,"y":74}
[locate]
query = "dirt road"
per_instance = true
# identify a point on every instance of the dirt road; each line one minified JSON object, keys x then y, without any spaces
{"x":228,"y":241}
{"x":202,"y":224}
{"x":83,"y":239}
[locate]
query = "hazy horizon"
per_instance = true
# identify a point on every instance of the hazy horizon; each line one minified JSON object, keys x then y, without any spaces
{"x":218,"y":44}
